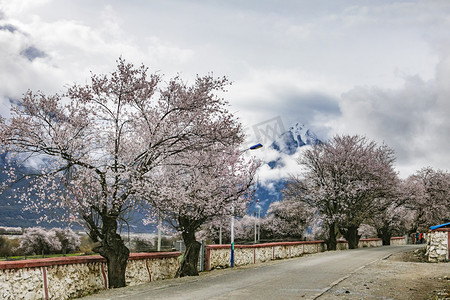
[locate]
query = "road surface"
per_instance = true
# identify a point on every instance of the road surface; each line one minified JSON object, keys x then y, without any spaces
{"x":305,"y":277}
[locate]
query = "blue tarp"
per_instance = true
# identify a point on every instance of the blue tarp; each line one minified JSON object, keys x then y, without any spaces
{"x":439,"y":226}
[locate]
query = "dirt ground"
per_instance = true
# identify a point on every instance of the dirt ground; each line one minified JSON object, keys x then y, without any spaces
{"x":400,"y":276}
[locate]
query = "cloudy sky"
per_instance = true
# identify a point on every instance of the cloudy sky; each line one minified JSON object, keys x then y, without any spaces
{"x":375,"y":68}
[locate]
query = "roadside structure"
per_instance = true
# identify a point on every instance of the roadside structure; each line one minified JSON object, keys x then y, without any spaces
{"x":438,"y":243}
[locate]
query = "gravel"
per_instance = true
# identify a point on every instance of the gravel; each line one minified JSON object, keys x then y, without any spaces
{"x":401,"y":276}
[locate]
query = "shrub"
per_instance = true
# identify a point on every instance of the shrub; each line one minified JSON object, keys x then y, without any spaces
{"x":86,"y":245}
{"x":5,"y":248}
{"x":142,"y":245}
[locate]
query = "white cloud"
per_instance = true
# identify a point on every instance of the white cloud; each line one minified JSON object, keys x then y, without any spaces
{"x":412,"y":119}
{"x":379,"y":68}
{"x":286,"y":165}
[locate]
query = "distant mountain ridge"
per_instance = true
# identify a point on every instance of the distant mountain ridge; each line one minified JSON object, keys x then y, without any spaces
{"x":297,"y":136}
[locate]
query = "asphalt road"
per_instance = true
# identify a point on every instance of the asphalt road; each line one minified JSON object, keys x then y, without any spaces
{"x":306,"y":277}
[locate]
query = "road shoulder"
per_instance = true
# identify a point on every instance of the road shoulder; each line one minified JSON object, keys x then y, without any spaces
{"x":399,"y":276}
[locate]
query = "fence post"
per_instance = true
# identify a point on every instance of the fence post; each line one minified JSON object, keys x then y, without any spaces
{"x":202,"y":257}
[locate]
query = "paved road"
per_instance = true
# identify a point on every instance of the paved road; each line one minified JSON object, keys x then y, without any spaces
{"x":299,"y":278}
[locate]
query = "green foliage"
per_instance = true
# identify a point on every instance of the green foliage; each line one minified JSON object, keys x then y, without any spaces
{"x":86,"y":245}
{"x":4,"y":247}
{"x":9,"y":247}
{"x":142,"y":245}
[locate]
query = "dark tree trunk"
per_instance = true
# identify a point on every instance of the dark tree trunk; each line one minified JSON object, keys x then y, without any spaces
{"x":385,"y":234}
{"x":189,"y":263}
{"x":331,"y":240}
{"x":351,"y":235}
{"x":114,"y":250}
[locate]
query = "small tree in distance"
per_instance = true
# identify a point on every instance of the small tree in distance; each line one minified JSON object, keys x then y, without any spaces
{"x":286,"y":219}
{"x":39,"y":241}
{"x":69,"y":240}
{"x":427,"y":195}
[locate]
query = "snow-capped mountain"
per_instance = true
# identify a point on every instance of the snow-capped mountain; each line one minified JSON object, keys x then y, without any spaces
{"x":286,"y":145}
{"x":290,"y":141}
{"x":296,"y":137}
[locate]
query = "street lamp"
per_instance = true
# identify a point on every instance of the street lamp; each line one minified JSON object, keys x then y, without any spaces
{"x":254,"y":147}
{"x":257,"y":226}
{"x":159,"y":232}
{"x":259,"y":223}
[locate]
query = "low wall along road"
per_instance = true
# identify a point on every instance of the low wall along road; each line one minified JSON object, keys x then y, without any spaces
{"x":218,"y":256}
{"x":71,"y":277}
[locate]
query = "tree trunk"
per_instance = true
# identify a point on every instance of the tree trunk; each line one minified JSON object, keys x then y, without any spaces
{"x":331,"y":241}
{"x":385,"y":234}
{"x":114,"y":250}
{"x":351,"y":235}
{"x":189,"y":263}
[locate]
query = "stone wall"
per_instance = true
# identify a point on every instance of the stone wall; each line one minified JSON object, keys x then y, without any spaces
{"x":438,"y":245}
{"x":143,"y":268}
{"x":219,"y":256}
{"x":398,"y":241}
{"x":341,"y":245}
{"x":364,"y":243}
{"x":70,"y":277}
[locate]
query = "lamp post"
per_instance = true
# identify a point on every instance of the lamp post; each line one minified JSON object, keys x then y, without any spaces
{"x":159,"y":233}
{"x":254,"y":147}
{"x":256,"y":234}
{"x":257,"y":224}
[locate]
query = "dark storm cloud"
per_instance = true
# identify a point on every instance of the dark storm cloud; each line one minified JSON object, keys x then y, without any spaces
{"x":8,"y":27}
{"x":313,"y":103}
{"x":308,"y":107}
{"x":412,"y":120}
{"x":31,"y":53}
{"x":15,"y":101}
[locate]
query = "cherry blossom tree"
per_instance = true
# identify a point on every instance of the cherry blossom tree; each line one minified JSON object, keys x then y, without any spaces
{"x":287,"y":218}
{"x":69,"y":240}
{"x":343,"y":179}
{"x":94,"y":146}
{"x":244,"y":228}
{"x":389,"y":219}
{"x":389,"y":215}
{"x":427,"y":196}
{"x":216,"y":228}
{"x":39,"y":241}
{"x":199,"y":187}
{"x":367,"y":231}
{"x":55,"y":240}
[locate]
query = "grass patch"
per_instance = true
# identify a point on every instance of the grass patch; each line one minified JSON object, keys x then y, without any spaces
{"x":22,"y":257}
